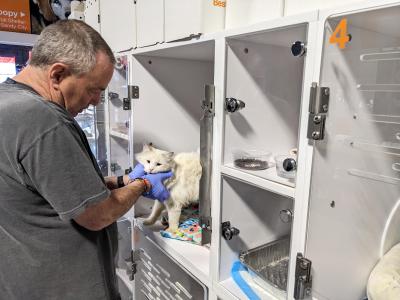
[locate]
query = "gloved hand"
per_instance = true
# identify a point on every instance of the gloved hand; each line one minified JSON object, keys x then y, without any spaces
{"x":158,"y":190}
{"x":137,"y":172}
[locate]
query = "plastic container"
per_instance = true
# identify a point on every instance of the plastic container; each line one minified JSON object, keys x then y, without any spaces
{"x":286,"y":166}
{"x":252,"y":159}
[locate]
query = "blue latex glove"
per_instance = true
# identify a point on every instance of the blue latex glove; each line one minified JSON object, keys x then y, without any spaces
{"x":158,"y":190}
{"x":137,"y":172}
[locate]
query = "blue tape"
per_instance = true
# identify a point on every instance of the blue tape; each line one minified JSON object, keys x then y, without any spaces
{"x":243,"y":285}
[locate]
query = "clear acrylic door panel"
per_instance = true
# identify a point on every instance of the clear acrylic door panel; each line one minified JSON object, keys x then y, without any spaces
{"x":353,"y":216}
{"x":119,"y":118}
{"x":91,"y":120}
{"x":160,"y":277}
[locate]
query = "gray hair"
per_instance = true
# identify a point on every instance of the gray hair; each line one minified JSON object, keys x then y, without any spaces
{"x":71,"y":42}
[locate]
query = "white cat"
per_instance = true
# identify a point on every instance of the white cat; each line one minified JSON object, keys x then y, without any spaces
{"x":183,"y":185}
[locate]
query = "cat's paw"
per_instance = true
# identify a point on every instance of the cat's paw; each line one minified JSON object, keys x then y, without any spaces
{"x":172,"y":229}
{"x":148,"y":222}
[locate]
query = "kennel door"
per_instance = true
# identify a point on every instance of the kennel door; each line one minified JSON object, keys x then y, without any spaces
{"x":158,"y":276}
{"x":119,"y":118}
{"x":353,"y":215}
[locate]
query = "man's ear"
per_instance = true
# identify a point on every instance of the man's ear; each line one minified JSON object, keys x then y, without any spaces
{"x":57,"y":73}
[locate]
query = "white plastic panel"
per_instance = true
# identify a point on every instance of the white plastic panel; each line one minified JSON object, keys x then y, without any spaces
{"x":118,"y":24}
{"x":184,"y":18}
{"x":293,"y":7}
{"x":150,"y":22}
{"x":92,"y":11}
{"x":244,"y":12}
{"x":263,"y":73}
{"x":355,"y":180}
{"x":172,"y":104}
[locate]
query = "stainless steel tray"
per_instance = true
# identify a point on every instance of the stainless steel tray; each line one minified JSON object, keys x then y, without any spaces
{"x":270,"y":262}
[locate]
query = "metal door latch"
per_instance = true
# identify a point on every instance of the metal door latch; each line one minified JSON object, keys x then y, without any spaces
{"x":229,"y":232}
{"x":233,"y":105}
{"x":319,"y":104}
{"x":303,"y":282}
{"x":126,"y":104}
{"x":134,"y":260}
{"x":207,"y":105}
{"x":298,"y":48}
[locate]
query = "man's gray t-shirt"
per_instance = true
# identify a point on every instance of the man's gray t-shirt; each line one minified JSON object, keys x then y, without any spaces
{"x":48,"y":176}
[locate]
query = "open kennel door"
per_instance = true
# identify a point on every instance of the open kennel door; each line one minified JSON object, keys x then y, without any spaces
{"x":158,"y":276}
{"x":355,"y":183}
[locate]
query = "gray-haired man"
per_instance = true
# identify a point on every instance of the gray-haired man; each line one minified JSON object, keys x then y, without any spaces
{"x":57,"y":213}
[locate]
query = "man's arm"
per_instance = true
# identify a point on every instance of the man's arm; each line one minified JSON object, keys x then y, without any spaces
{"x":112,"y":184}
{"x":101,"y":214}
{"x":137,"y":172}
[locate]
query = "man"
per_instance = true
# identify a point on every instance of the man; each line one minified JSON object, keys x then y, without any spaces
{"x":57,"y":213}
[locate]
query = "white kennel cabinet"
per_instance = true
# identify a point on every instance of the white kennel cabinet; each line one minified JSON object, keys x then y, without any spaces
{"x":326,"y":83}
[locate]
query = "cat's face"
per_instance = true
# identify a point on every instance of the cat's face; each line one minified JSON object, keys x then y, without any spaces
{"x":155,"y":160}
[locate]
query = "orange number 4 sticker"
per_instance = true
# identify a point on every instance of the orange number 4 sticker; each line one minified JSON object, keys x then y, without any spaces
{"x":340,"y":35}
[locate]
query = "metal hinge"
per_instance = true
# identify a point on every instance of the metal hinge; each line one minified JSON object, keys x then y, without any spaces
{"x":205,"y":223}
{"x":98,"y":19}
{"x":126,"y":104}
{"x":319,"y":104}
{"x":133,"y":92}
{"x":208,"y":103}
{"x":303,"y":280}
{"x":114,"y":167}
{"x":134,"y":260}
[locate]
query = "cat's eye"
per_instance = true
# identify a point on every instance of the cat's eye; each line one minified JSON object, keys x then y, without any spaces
{"x":158,"y":164}
{"x":148,"y":161}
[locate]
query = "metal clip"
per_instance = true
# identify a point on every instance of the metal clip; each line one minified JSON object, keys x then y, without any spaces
{"x":319,"y":105}
{"x":303,"y":283}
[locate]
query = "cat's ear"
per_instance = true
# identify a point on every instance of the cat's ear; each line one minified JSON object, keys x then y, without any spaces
{"x":170,"y":154}
{"x":147,"y":147}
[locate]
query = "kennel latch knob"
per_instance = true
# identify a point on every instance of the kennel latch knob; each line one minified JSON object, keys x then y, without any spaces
{"x":298,"y":48}
{"x":232,"y":105}
{"x":229,"y":232}
{"x":289,"y":164}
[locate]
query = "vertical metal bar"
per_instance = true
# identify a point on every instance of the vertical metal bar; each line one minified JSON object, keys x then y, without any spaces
{"x":206,"y":146}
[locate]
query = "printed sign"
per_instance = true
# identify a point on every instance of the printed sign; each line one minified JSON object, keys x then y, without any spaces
{"x":7,"y":67}
{"x":340,"y":35}
{"x":15,"y":16}
{"x":220,"y":3}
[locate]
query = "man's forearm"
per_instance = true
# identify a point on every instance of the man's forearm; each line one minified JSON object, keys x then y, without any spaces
{"x":106,"y":212}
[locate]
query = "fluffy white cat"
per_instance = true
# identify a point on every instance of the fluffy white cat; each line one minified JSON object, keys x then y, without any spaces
{"x":183,"y":185}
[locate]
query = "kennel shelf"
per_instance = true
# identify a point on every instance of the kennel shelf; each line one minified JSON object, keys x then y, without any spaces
{"x":265,"y":179}
{"x":194,"y":258}
{"x":120,"y":135}
{"x":228,"y":289}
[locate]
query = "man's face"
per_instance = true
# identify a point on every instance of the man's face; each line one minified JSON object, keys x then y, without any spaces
{"x":83,"y":90}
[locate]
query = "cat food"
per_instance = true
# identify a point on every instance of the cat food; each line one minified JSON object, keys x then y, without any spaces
{"x":251,"y":159}
{"x":251,"y":164}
